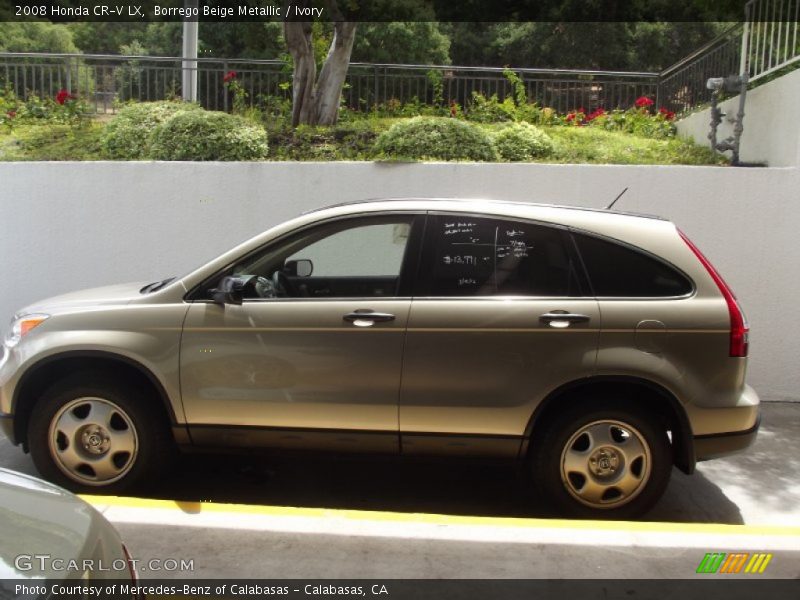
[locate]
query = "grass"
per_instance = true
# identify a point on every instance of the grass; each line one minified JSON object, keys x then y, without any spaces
{"x":597,"y":146}
{"x":52,"y":141}
{"x":354,"y":141}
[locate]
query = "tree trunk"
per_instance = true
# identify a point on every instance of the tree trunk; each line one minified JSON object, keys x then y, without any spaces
{"x":298,"y":40}
{"x":333,"y":73}
{"x":316,"y":101}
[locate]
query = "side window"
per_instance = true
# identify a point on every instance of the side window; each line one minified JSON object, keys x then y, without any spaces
{"x":476,"y":256}
{"x":360,"y":257}
{"x":368,"y":251}
{"x":617,"y":270}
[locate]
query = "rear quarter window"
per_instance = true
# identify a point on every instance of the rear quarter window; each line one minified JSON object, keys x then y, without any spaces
{"x":616,"y":270}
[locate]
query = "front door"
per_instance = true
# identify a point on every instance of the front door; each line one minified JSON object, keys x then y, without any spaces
{"x":312,"y":357}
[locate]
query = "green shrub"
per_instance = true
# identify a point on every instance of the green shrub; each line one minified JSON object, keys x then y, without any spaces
{"x":490,"y":110}
{"x":128,"y":135}
{"x":522,"y":141}
{"x":437,"y":138}
{"x":206,"y":135}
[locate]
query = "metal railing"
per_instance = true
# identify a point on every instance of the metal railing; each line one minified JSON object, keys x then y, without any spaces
{"x":767,"y":41}
{"x":560,"y":89}
{"x":770,"y":39}
{"x":104,"y":81}
{"x":682,"y":86}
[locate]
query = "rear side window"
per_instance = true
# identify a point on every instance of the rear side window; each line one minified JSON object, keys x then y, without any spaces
{"x":476,"y":256}
{"x":621,"y":271}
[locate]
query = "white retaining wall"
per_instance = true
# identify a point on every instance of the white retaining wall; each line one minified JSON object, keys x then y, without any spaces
{"x":771,"y":125}
{"x":65,"y":226}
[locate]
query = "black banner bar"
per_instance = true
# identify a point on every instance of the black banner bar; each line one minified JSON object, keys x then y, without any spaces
{"x":70,"y":11}
{"x":710,"y":587}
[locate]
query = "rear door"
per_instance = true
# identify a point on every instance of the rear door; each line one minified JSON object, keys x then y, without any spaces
{"x":502,"y":316}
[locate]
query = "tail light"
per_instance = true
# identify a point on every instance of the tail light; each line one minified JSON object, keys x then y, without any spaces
{"x":740,"y":330}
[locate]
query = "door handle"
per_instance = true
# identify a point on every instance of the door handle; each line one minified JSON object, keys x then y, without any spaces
{"x":562,"y":318}
{"x":367,"y":318}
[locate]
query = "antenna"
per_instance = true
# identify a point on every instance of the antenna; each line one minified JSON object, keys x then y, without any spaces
{"x":615,"y":199}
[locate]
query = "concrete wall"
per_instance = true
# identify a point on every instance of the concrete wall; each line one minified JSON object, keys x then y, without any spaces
{"x":64,"y":226}
{"x":771,"y":128}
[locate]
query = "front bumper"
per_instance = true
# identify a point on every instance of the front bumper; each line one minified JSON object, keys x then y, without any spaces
{"x":715,"y":445}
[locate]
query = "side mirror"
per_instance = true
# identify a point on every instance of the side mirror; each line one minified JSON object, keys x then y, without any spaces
{"x":229,"y":291}
{"x":299,"y":268}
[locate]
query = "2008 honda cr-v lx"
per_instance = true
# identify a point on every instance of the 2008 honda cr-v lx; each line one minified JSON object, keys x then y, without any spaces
{"x":599,"y":347}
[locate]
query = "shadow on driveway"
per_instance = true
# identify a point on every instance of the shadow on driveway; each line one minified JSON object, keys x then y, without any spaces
{"x":434,"y":486}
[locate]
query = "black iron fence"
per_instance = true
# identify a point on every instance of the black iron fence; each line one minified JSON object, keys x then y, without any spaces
{"x":682,"y":86}
{"x":105,"y":81}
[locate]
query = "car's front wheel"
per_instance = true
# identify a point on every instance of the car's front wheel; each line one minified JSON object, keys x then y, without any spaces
{"x":88,"y":433}
{"x":609,"y":461}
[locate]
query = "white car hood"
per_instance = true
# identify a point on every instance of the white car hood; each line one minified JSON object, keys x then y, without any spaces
{"x":121,"y":293}
{"x":39,"y":518}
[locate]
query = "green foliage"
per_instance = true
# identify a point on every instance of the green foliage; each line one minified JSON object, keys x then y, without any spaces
{"x":490,"y":110}
{"x":435,"y":138}
{"x":69,"y":111}
{"x":206,"y":135}
{"x":129,"y":134}
{"x":346,"y":141}
{"x":518,"y":86}
{"x":36,"y":140}
{"x":637,"y":121}
{"x":597,"y":146}
{"x":413,"y":42}
{"x":36,"y":36}
{"x":612,"y":44}
{"x":522,"y":141}
{"x":436,"y":79}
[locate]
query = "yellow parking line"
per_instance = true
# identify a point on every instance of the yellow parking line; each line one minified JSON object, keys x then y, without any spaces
{"x":440,"y":519}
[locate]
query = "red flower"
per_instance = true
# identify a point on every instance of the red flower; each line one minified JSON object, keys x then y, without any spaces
{"x":668,"y":114}
{"x":595,"y":113}
{"x":11,"y":114}
{"x":63,"y":95}
{"x":229,"y":76}
{"x":643,"y":102}
{"x":579,"y":116}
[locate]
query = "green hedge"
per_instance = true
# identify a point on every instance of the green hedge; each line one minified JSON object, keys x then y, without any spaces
{"x":522,"y":141}
{"x":128,"y":134}
{"x":435,"y":138}
{"x":205,"y":135}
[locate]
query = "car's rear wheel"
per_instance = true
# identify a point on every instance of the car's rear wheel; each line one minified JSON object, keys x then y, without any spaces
{"x":88,"y":433}
{"x":608,"y":461}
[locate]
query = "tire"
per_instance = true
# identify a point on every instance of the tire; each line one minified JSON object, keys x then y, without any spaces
{"x":606,"y":461}
{"x":90,"y":433}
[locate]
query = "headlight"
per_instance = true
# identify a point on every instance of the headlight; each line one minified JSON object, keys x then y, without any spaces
{"x":22,"y":327}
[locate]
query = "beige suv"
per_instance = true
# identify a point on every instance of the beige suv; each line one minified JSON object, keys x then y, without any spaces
{"x":597,"y":347}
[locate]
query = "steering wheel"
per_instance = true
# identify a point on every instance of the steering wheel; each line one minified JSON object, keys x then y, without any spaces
{"x":283,"y":287}
{"x":264,"y":288}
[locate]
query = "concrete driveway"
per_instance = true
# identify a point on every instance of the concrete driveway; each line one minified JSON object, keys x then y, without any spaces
{"x":320,"y":517}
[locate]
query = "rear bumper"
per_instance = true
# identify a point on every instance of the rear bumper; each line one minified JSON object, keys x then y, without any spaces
{"x":715,"y":445}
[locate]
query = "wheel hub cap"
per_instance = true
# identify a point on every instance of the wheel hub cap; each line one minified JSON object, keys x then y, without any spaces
{"x":95,"y":440}
{"x":604,"y":462}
